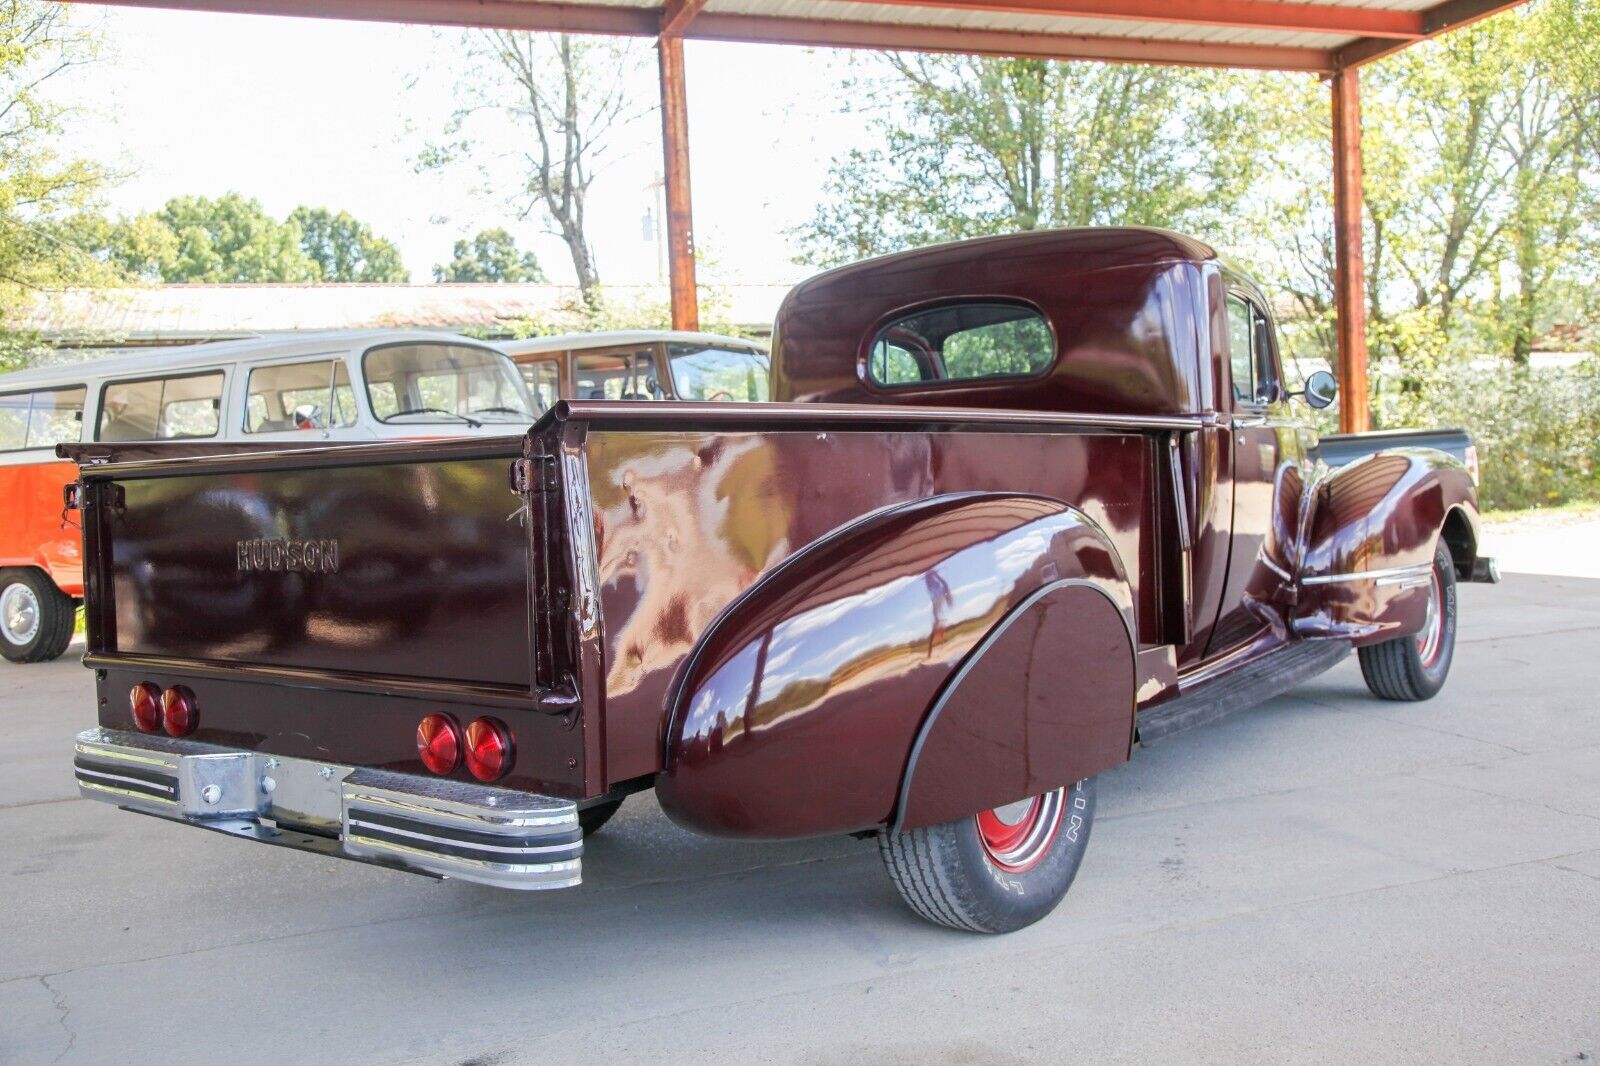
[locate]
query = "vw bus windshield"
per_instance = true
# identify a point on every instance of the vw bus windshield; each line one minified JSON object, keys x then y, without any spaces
{"x":429,"y":382}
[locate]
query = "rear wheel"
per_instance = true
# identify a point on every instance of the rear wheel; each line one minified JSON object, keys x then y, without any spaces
{"x":999,"y":871}
{"x":1415,"y":667}
{"x":36,"y":618}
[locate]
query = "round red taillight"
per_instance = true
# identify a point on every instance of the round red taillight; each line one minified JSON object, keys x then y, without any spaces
{"x":178,"y":711}
{"x":439,"y":743}
{"x":145,"y":703}
{"x":488,"y":749}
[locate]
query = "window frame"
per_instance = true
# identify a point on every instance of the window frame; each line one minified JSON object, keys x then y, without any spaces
{"x":1261,"y":328}
{"x":222,"y":395}
{"x":988,"y":381}
{"x":336,"y":356}
{"x":27,"y":420}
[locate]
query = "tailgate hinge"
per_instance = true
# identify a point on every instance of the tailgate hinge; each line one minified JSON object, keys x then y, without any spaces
{"x":535,"y":475}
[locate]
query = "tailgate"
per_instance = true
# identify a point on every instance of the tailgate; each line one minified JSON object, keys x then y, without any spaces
{"x":407,"y":561}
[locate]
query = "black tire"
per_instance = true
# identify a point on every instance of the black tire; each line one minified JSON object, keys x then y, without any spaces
{"x":1401,"y":669}
{"x":592,"y":818}
{"x":950,"y":876}
{"x":48,"y":615}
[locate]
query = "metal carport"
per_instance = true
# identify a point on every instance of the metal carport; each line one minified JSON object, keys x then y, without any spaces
{"x":1333,"y":38}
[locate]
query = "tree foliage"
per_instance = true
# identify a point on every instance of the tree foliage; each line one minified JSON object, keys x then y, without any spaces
{"x":491,"y":255}
{"x":39,"y":188}
{"x":345,"y":249}
{"x":968,"y":146}
{"x":231,"y":239}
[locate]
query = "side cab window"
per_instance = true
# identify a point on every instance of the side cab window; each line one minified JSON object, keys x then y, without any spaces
{"x":1252,"y":354}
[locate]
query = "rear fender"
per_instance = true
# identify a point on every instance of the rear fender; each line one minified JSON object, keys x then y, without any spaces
{"x":1370,"y":539}
{"x":797,"y":712}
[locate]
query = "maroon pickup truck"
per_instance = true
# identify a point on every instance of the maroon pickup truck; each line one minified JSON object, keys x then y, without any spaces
{"x":1024,"y":503}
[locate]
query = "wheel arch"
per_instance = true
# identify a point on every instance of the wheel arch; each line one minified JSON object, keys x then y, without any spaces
{"x":796,"y":713}
{"x":1373,"y":533}
{"x":1038,"y":751}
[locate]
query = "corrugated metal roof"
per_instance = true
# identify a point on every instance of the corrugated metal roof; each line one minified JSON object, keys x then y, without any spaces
{"x":164,"y":313}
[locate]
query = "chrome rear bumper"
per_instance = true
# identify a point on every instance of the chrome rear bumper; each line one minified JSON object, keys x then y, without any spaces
{"x":425,"y":825}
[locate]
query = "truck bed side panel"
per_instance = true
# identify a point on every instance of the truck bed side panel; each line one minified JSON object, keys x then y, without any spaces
{"x":687,"y":520}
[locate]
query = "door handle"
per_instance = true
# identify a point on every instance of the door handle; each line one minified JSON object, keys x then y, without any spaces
{"x":1249,"y":422}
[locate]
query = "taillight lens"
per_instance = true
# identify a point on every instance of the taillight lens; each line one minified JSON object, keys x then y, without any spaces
{"x":145,"y":703}
{"x":488,"y":749}
{"x":1472,"y":463}
{"x":179,"y":713}
{"x":439,"y":743}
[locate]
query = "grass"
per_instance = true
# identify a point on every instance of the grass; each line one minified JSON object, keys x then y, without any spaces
{"x":1559,"y":514}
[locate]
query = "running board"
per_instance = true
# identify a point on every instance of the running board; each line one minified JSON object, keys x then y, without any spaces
{"x":1256,"y":682}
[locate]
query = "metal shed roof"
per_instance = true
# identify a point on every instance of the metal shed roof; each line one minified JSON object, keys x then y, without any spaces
{"x":1269,"y":34}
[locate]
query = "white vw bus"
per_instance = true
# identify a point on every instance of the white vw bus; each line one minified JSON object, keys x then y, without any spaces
{"x":353,"y":386}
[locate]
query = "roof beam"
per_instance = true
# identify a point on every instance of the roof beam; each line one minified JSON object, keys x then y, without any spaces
{"x":893,"y":36}
{"x":484,"y":14}
{"x":1226,"y":14}
{"x":712,"y":26}
{"x":1450,"y":15}
{"x":677,"y":14}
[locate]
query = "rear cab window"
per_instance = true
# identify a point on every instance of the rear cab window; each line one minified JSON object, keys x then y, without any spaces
{"x":42,"y":418}
{"x":963,"y":342}
{"x":180,"y":407}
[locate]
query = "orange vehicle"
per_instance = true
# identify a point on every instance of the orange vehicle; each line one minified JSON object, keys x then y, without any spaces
{"x":302,"y":388}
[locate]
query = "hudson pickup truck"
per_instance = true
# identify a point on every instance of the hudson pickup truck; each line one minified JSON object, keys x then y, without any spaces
{"x":1022,"y":503}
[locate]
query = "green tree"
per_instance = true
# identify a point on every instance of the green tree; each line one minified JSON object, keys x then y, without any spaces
{"x":345,"y":249}
{"x":232,"y":239}
{"x":489,"y":256}
{"x":39,"y":190}
{"x":969,"y":146}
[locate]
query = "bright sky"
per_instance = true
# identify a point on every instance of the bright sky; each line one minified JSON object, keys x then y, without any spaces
{"x":307,"y":111}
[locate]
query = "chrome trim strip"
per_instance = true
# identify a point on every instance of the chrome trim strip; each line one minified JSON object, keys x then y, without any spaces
{"x":1385,"y":575}
{"x":80,"y":771}
{"x":439,"y":812}
{"x":126,"y":795}
{"x":470,"y":845}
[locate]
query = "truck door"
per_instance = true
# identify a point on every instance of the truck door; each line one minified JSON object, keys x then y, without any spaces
{"x":1268,"y":451}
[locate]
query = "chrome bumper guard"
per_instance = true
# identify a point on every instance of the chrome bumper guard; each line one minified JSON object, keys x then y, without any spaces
{"x":425,"y":825}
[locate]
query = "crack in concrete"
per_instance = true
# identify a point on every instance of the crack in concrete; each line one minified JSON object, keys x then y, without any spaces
{"x":1501,"y":795}
{"x":39,"y":803}
{"x":58,"y":999}
{"x":1528,"y":636}
{"x":1575,"y":870}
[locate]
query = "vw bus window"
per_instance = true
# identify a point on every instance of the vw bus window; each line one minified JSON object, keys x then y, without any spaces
{"x":300,"y":396}
{"x":161,"y":408}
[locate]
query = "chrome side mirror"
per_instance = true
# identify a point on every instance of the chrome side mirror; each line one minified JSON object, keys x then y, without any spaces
{"x":1321,"y":389}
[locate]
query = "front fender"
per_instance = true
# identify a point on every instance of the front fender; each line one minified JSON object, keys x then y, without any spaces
{"x":797,"y":712}
{"x":1369,"y":545}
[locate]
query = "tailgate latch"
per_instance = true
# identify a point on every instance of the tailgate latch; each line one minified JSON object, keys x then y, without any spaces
{"x":529,"y":476}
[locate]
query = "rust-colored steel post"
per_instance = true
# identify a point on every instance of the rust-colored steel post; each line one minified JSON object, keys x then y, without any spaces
{"x":1349,"y":260}
{"x":680,"y":213}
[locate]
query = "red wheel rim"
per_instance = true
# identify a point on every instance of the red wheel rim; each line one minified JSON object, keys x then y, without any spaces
{"x":1017,"y":836}
{"x":1430,"y":642}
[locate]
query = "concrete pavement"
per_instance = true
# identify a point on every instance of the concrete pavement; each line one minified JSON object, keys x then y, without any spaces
{"x":1325,"y":878}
